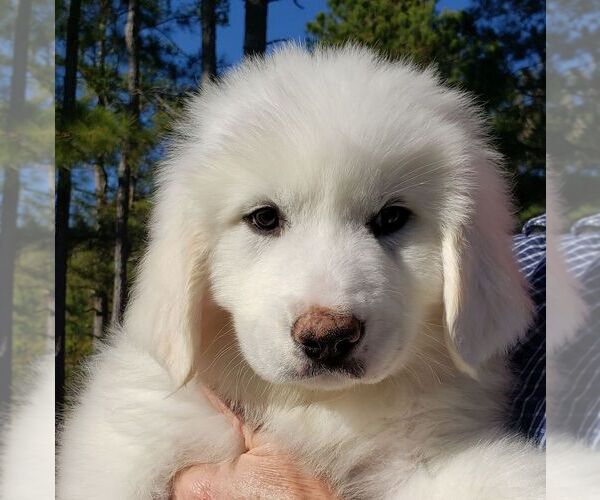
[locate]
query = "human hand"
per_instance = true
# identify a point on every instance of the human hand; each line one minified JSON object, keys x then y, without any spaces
{"x":263,"y":471}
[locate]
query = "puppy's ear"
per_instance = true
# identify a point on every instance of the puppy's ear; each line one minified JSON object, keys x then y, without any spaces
{"x":486,"y":303}
{"x":164,"y":316}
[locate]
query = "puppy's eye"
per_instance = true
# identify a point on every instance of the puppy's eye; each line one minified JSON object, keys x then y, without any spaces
{"x":389,"y":220}
{"x":265,"y":219}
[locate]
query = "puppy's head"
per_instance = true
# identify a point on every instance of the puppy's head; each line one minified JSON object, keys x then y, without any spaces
{"x":329,"y":202}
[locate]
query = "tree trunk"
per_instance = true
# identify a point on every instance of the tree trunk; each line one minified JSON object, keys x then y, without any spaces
{"x":50,"y":319}
{"x":99,"y":297}
{"x":100,"y":185}
{"x":132,"y":190}
{"x":208,"y":20}
{"x":124,"y":171}
{"x":8,"y":250}
{"x":100,"y":177}
{"x":104,"y":13}
{"x":100,"y":306}
{"x":255,"y":38}
{"x":121,"y":240}
{"x":63,"y":201}
{"x":10,"y":200}
{"x":99,"y":300}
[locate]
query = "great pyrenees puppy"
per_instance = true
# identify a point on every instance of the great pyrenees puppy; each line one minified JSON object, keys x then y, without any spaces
{"x":330,"y":253}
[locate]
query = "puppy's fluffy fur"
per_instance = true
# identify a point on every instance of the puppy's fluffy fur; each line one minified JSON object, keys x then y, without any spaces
{"x":329,"y":138}
{"x":27,"y":443}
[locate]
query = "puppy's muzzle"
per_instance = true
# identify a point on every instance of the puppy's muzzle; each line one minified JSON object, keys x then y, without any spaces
{"x":327,"y":336}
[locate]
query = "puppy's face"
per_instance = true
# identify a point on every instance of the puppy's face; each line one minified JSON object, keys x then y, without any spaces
{"x":328,"y":205}
{"x":328,"y":257}
{"x":336,"y":205}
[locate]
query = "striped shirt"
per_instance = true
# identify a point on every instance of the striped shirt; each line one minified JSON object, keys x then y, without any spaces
{"x":579,"y":360}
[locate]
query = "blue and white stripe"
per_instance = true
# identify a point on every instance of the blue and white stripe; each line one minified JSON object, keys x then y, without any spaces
{"x":528,"y":359}
{"x":579,"y":361}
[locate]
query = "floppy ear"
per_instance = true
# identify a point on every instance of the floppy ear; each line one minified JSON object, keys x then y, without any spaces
{"x":164,"y":314}
{"x":487,"y":307}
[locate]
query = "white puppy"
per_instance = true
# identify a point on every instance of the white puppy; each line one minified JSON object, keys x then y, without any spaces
{"x":330,"y":252}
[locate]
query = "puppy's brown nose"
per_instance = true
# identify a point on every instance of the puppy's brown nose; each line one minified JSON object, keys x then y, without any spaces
{"x":326,"y":335}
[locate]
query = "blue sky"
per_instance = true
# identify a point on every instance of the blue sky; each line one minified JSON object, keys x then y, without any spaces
{"x":286,"y":21}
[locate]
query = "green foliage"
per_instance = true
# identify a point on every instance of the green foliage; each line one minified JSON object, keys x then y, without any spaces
{"x":27,"y":146}
{"x":93,"y":143}
{"x":395,"y":28}
{"x":34,"y":291}
{"x":97,"y":131}
{"x":573,"y":104}
{"x":31,"y":139}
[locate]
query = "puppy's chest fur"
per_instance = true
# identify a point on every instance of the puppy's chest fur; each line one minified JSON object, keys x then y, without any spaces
{"x":372,"y":438}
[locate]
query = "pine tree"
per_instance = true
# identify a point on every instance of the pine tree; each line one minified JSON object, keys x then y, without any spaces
{"x":208,"y":19}
{"x":63,"y":196}
{"x":99,"y":295}
{"x":10,"y":197}
{"x":132,"y":29}
{"x":94,"y":144}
